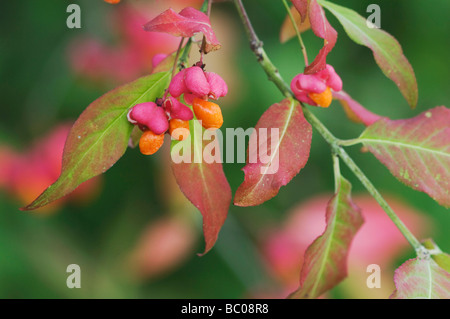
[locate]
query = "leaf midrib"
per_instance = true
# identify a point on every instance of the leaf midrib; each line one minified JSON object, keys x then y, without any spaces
{"x":430,"y":278}
{"x":288,"y":121}
{"x":355,"y":27}
{"x":402,"y":144}
{"x":200,"y":165}
{"x":368,"y":36}
{"x":329,"y":242}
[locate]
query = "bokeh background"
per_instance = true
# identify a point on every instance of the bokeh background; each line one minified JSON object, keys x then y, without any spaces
{"x":130,"y":230}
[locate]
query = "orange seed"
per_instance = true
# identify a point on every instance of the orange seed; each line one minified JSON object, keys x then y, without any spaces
{"x":322,"y":99}
{"x":208,"y":112}
{"x":150,"y":142}
{"x":179,"y":129}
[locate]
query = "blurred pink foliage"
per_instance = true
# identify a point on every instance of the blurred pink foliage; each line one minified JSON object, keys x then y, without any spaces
{"x":132,"y":55}
{"x":26,"y":174}
{"x":377,"y":242}
{"x":165,"y":244}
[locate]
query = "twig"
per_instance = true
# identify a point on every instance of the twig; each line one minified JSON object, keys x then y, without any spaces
{"x":275,"y":77}
{"x":175,"y":62}
{"x":297,"y":32}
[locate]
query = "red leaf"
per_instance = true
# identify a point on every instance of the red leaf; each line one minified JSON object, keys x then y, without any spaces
{"x":416,"y":151}
{"x":290,"y":153}
{"x":321,"y":28}
{"x":421,"y":279}
{"x":302,"y":8}
{"x":355,"y":111}
{"x":204,"y":184}
{"x":325,"y":262}
{"x":185,"y":24}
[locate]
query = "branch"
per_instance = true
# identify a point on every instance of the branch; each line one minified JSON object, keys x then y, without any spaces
{"x":273,"y":74}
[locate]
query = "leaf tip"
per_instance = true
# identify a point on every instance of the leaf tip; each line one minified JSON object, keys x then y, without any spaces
{"x":239,"y":203}
{"x":32,"y":206}
{"x":208,"y":247}
{"x":245,"y":197}
{"x":203,"y":253}
{"x":413,"y":103}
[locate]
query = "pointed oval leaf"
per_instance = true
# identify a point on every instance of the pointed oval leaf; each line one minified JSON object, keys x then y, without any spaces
{"x":416,"y":150}
{"x":421,"y":279}
{"x":100,"y":136}
{"x":321,"y":28}
{"x":386,"y":50}
{"x":355,"y":111}
{"x":325,"y":262}
{"x":202,"y":180}
{"x":273,"y":160}
{"x":185,"y":24}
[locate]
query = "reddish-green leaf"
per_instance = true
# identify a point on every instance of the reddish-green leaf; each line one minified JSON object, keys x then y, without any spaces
{"x":202,"y":180}
{"x":416,"y":151}
{"x":355,"y":111}
{"x":325,"y":262}
{"x":421,"y":279}
{"x":287,"y":147}
{"x":386,"y":49}
{"x":100,"y":136}
{"x":185,"y":24}
{"x":322,"y":28}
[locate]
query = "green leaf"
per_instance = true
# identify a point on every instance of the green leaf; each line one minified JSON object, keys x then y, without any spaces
{"x":100,"y":136}
{"x":325,"y":262}
{"x":386,"y":50}
{"x":416,"y":150}
{"x":421,"y":279}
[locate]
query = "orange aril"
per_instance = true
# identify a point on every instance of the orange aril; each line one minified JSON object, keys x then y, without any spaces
{"x":322,"y":99}
{"x":150,"y":142}
{"x":208,"y":113}
{"x":179,"y":129}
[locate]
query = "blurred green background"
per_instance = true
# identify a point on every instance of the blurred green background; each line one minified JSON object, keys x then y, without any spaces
{"x":39,"y":90}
